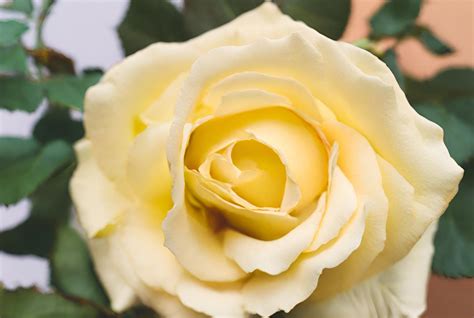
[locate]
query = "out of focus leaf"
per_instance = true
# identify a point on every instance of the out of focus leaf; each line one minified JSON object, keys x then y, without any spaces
{"x":11,"y":32}
{"x":58,"y":124}
{"x":454,"y":241}
{"x":69,"y":90}
{"x":458,"y":130}
{"x":149,"y":21}
{"x":30,"y":303}
{"x":327,"y":17}
{"x":55,"y":62}
{"x":449,"y":84}
{"x":25,"y":6}
{"x":13,"y":59}
{"x":50,"y":207}
{"x":71,"y":268}
{"x":204,"y":15}
{"x":394,"y":18}
{"x":433,"y":43}
{"x":20,"y":178}
{"x":13,"y":149}
{"x":390,"y":58}
{"x":20,"y":93}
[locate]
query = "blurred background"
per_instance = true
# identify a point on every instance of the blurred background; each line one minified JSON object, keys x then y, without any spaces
{"x":85,"y":31}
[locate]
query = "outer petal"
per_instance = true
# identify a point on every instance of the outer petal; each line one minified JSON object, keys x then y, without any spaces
{"x":124,"y":286}
{"x":113,"y":106}
{"x":98,"y":203}
{"x":398,"y":292}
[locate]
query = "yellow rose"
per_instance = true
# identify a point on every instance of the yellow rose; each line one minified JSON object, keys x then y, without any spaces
{"x":257,"y":167}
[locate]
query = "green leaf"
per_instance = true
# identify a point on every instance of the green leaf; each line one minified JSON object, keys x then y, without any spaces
{"x":432,"y":43}
{"x":30,"y":303}
{"x":13,"y":59}
{"x":68,"y":90}
{"x":20,"y":93}
{"x":50,"y":207}
{"x":149,"y":21}
{"x":447,"y":85}
{"x":327,"y":17}
{"x":13,"y":149}
{"x":458,"y":130}
{"x":11,"y":32}
{"x":25,"y":6}
{"x":454,"y":241}
{"x":390,"y":58}
{"x":22,"y":177}
{"x":394,"y":18}
{"x":204,"y":15}
{"x":32,"y":237}
{"x":71,"y":268}
{"x":56,"y":124}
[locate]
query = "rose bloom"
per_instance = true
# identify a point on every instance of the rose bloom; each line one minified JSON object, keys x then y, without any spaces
{"x":260,"y":167}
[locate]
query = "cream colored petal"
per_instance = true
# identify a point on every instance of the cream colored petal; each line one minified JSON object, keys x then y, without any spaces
{"x":299,"y":97}
{"x":123,"y":285}
{"x":113,"y":106}
{"x":341,"y":204}
{"x":142,"y":240}
{"x":247,"y":100}
{"x":162,"y":110}
{"x":121,"y":294}
{"x":215,"y":300}
{"x":273,"y":257}
{"x":197,"y":247}
{"x":399,"y":292}
{"x":98,"y":203}
{"x":147,"y":169}
{"x":359,"y":163}
{"x":265,"y":294}
{"x":403,"y":223}
{"x":265,"y":21}
{"x":369,"y":99}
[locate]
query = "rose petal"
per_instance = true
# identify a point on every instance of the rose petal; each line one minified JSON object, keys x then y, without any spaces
{"x":400,"y":291}
{"x":275,"y":256}
{"x":359,"y":163}
{"x":265,"y":294}
{"x":98,"y":203}
{"x":147,"y":169}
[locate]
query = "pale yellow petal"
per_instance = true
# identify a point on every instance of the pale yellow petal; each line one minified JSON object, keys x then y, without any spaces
{"x":147,"y":169}
{"x":275,"y":256}
{"x":359,"y":163}
{"x":265,"y":21}
{"x":341,"y":204}
{"x":142,"y":240}
{"x":98,"y":203}
{"x":113,"y":106}
{"x":297,"y":143}
{"x":257,"y":223}
{"x":162,"y":110}
{"x":403,"y":223}
{"x":398,"y":292}
{"x":265,"y":294}
{"x":299,"y":96}
{"x":121,"y":294}
{"x":216,"y":300}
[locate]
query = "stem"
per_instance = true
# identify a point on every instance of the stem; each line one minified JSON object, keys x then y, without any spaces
{"x":39,"y":43}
